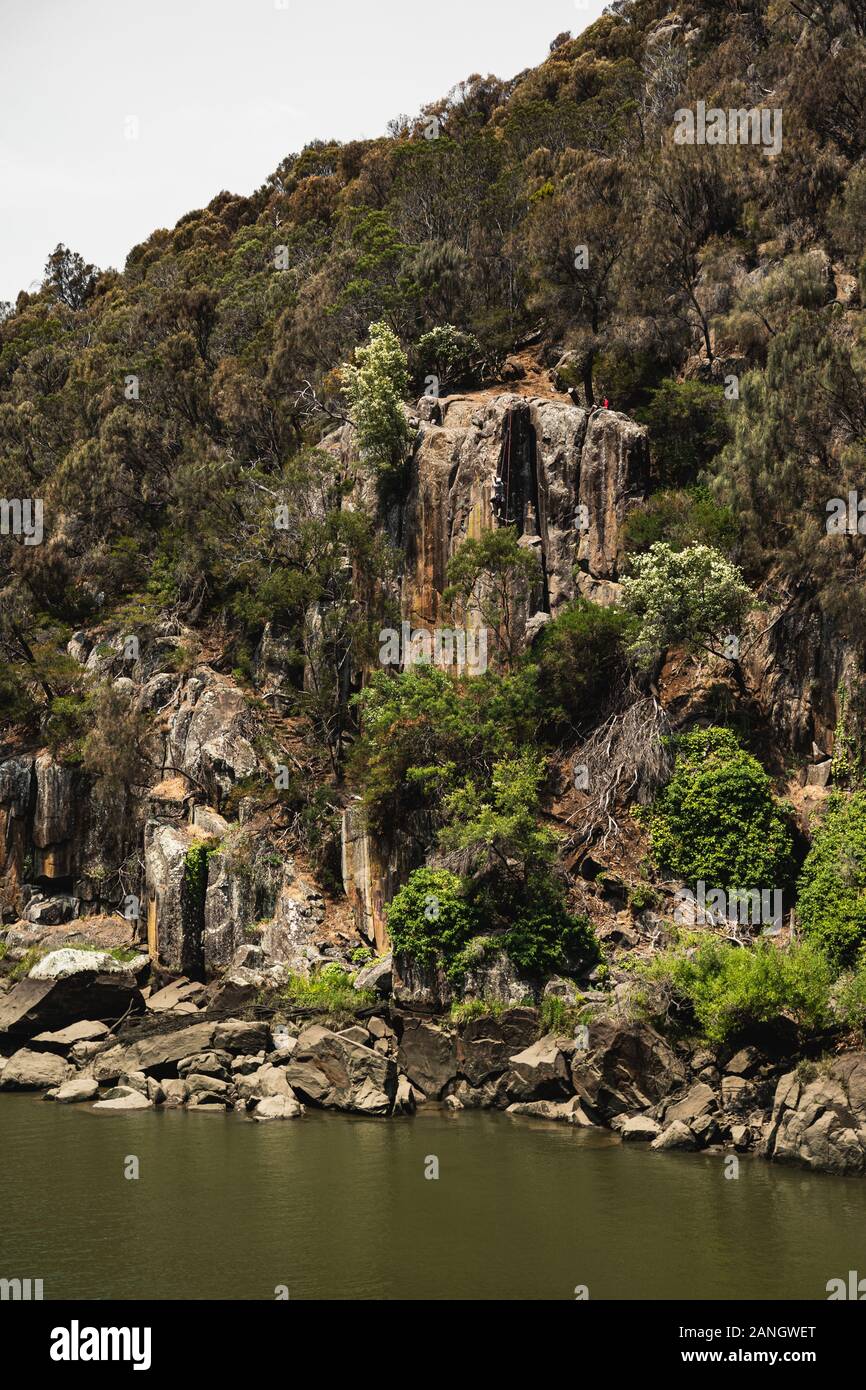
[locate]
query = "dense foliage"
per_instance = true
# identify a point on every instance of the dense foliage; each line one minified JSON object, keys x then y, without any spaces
{"x":717,"y":821}
{"x":831,"y":903}
{"x":717,"y":990}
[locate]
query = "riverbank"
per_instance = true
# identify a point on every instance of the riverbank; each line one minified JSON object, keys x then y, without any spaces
{"x":610,"y":1075}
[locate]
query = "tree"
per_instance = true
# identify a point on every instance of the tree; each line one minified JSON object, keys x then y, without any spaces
{"x":581,"y":662}
{"x":579,"y":231}
{"x":67,"y":276}
{"x":495,"y":836}
{"x":496,"y":574}
{"x":376,"y":388}
{"x":687,"y":427}
{"x":693,"y":598}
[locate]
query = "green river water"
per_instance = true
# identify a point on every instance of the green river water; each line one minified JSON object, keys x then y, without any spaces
{"x":338,"y":1207}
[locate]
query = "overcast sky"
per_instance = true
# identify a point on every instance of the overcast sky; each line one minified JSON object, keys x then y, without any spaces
{"x":216,"y":93}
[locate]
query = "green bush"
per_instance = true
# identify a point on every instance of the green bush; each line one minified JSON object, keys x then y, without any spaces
{"x":687,"y":425}
{"x":717,"y":821}
{"x":850,"y":998}
{"x":581,"y":660}
{"x":693,"y":598}
{"x":450,"y":355}
{"x":831,"y":902}
{"x":329,"y":991}
{"x":376,"y":388}
{"x":683,"y":517}
{"x":721,"y":989}
{"x":430,"y":920}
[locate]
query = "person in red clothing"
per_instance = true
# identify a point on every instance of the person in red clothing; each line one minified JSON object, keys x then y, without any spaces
{"x":606,"y":403}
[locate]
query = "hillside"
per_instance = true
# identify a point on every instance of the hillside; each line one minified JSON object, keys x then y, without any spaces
{"x":446,"y":565}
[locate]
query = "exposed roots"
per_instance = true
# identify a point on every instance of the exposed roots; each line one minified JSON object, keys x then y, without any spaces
{"x":623,"y":761}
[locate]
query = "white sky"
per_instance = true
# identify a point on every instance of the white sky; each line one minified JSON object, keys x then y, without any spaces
{"x":222,"y":90}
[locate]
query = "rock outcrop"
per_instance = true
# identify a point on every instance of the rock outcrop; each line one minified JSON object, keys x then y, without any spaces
{"x":819,"y":1119}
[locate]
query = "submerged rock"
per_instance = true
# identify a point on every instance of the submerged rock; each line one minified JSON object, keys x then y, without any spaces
{"x":278,"y":1108}
{"x":75,"y":1092}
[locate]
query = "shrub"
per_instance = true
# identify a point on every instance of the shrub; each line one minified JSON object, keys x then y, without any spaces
{"x":850,"y":1001}
{"x":831,"y":902}
{"x":449,"y":355}
{"x":717,"y":821}
{"x":430,"y":920}
{"x":724,"y":988}
{"x":329,"y":991}
{"x":557,"y":1016}
{"x":581,"y":660}
{"x":687,"y":426}
{"x":682,"y":517}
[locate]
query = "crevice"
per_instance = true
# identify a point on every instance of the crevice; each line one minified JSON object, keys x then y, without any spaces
{"x":518,"y":472}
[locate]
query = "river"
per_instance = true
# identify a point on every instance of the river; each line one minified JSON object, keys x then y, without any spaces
{"x":334,"y":1207}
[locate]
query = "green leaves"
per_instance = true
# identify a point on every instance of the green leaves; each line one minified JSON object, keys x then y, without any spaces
{"x":725,"y":988}
{"x":831,"y":904}
{"x":717,"y":821}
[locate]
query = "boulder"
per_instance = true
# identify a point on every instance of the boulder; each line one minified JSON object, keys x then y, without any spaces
{"x":699,"y":1100}
{"x":51,"y":912}
{"x":31,"y":1071}
{"x":278,"y":1108}
{"x":675,"y":1136}
{"x":85,"y":1031}
{"x":207,"y":1090}
{"x":404,"y":1101}
{"x":541,"y":1072}
{"x":309,"y":1081}
{"x":179,"y":992}
{"x":263,"y":1084}
{"x":820,"y":1121}
{"x":428,"y":1056}
{"x":486,"y":1045}
{"x":175,"y":1092}
{"x":640,"y":1129}
{"x":159,"y":1055}
{"x":241,"y":1038}
{"x":133,"y":1101}
{"x":744,"y":1063}
{"x":82,"y":1088}
{"x":377,"y":977}
{"x":42,"y":1003}
{"x":207,"y":1064}
{"x":565,"y":1111}
{"x":626,"y":1067}
{"x":359,"y":1078}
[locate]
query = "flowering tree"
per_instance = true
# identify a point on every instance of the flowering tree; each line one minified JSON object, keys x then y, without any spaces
{"x":693,"y":598}
{"x":376,"y":388}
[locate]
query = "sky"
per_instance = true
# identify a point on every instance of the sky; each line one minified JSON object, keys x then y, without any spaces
{"x":119,"y":116}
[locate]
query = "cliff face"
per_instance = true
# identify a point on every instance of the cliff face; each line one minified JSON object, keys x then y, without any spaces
{"x":569,"y":478}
